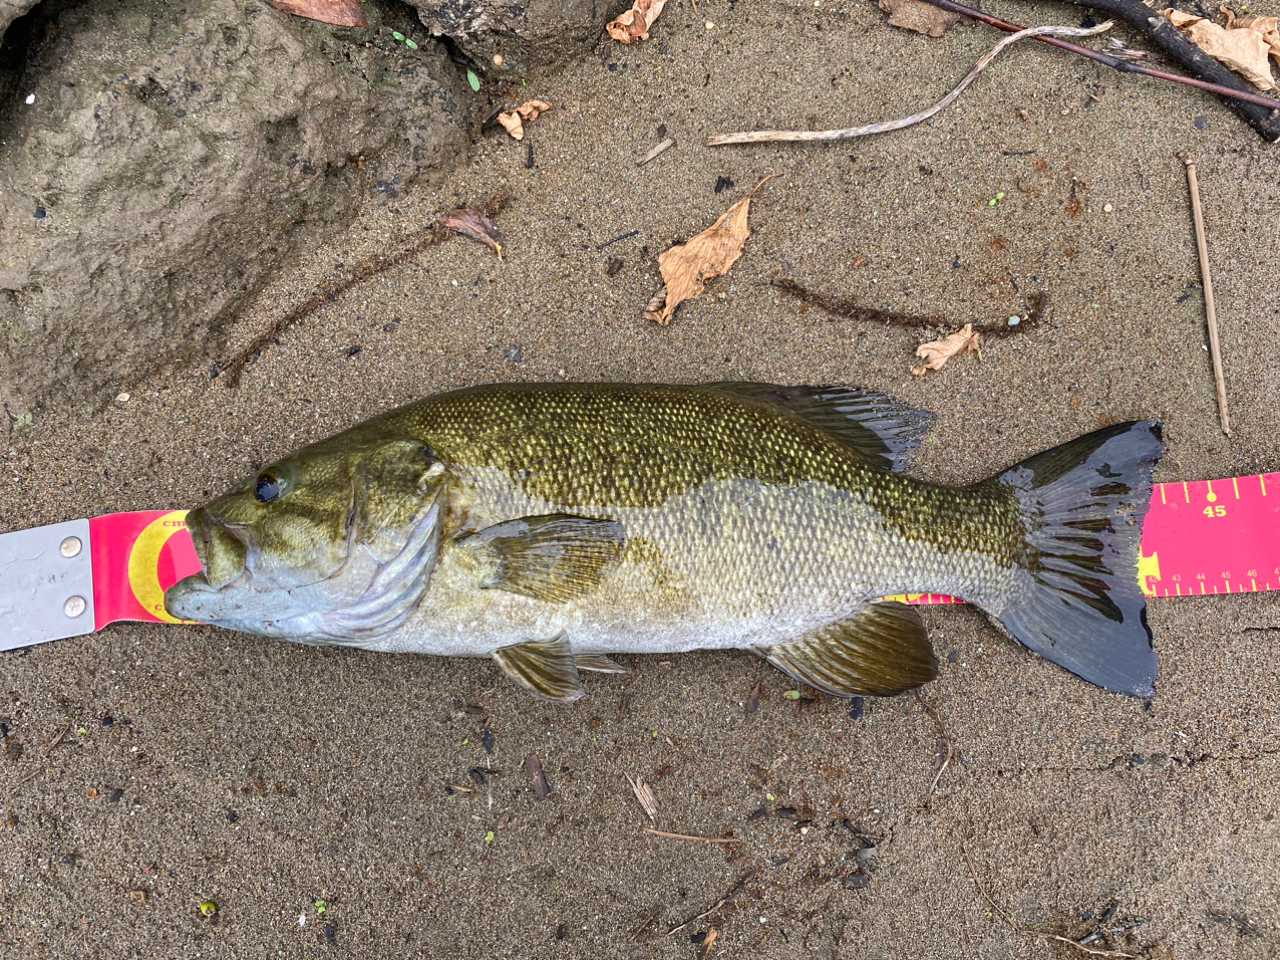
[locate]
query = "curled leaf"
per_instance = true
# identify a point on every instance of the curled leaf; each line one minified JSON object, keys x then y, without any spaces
{"x":686,"y":267}
{"x":919,"y":16}
{"x":634,"y":24}
{"x":513,"y":120}
{"x":474,"y":224}
{"x":936,"y":353}
{"x":340,"y":13}
{"x":1242,"y":49}
{"x":1266,"y":27}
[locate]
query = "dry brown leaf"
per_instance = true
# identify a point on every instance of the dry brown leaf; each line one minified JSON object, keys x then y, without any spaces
{"x":936,"y":353}
{"x":513,"y":120}
{"x":686,"y":267}
{"x":919,"y":16}
{"x":1241,"y":50}
{"x":704,"y":950}
{"x":634,"y":24}
{"x":474,"y":224}
{"x":340,"y":13}
{"x":1266,"y":27}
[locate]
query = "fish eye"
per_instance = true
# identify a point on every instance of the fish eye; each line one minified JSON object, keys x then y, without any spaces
{"x":267,"y":489}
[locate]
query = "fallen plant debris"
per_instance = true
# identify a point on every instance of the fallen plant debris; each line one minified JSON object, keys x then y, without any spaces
{"x":474,"y":224}
{"x":533,"y":767}
{"x":340,"y":13}
{"x":632,"y":25}
{"x":848,"y":309}
{"x":1266,"y":27}
{"x":686,"y":267}
{"x":409,"y":246}
{"x":776,"y":136}
{"x":936,"y":353}
{"x":644,"y":794}
{"x":708,"y":941}
{"x":513,"y":120}
{"x":1237,"y":47}
{"x":919,"y":16}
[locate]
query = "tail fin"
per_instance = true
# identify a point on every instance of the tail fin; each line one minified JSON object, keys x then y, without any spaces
{"x":1079,"y":602}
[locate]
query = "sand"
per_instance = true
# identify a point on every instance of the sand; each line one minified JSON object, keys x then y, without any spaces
{"x":198,"y":765}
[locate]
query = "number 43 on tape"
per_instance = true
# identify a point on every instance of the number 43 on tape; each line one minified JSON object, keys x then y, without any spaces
{"x":68,"y":579}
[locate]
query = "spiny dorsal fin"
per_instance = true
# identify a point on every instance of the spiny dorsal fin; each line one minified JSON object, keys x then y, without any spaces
{"x":879,"y":651}
{"x":544,"y":667}
{"x":883,"y":431}
{"x":598,"y":663}
{"x":554,"y":557}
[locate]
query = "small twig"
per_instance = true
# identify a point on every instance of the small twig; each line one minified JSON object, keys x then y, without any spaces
{"x":1018,"y":928}
{"x":644,"y":926}
{"x":660,"y":149}
{"x":57,"y":740}
{"x":1215,"y":349}
{"x":1124,"y":66}
{"x":946,"y":739}
{"x":685,"y":836}
{"x":774,"y":136}
{"x":625,"y":236}
{"x":742,"y":882}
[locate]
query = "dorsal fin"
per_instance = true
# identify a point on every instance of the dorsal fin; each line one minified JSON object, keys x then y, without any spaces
{"x":884,"y":432}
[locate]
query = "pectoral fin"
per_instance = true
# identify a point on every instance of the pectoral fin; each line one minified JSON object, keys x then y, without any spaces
{"x":879,"y":651}
{"x":555,"y":557}
{"x":545,"y":667}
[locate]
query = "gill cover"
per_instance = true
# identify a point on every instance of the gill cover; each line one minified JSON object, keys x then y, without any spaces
{"x":334,"y":544}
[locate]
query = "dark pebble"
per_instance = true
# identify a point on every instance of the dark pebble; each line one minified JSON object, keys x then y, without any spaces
{"x":613,"y":267}
{"x":179,"y":113}
{"x":855,"y":881}
{"x":487,"y":740}
{"x":1139,"y":760}
{"x":4,"y":728}
{"x":232,"y":816}
{"x":662,"y":130}
{"x":473,"y":710}
{"x":330,"y":932}
{"x":856,"y":708}
{"x":953,"y":656}
{"x":1202,"y":123}
{"x":354,"y":349}
{"x":41,"y":213}
{"x":722,"y":184}
{"x":115,"y":796}
{"x":697,"y":939}
{"x":613,"y":68}
{"x":955,"y":264}
{"x":761,"y":812}
{"x":514,"y":354}
{"x":562,"y":932}
{"x":108,"y":720}
{"x":787,"y":813}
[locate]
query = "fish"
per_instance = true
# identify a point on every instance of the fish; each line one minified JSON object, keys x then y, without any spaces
{"x":551,"y":527}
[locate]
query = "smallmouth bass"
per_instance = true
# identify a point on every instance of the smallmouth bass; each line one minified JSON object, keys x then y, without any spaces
{"x":550,"y":525}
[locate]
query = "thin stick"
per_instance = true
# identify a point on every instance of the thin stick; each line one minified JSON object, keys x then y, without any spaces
{"x":774,"y":136}
{"x":57,"y":740}
{"x":1124,"y":66}
{"x":685,"y":836}
{"x":1018,"y":928}
{"x":1215,"y":350}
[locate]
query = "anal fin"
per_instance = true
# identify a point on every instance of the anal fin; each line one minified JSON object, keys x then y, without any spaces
{"x":544,"y":667}
{"x":879,"y":651}
{"x":598,"y":663}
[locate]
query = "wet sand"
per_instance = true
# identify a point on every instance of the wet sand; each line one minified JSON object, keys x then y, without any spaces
{"x":201,"y":765}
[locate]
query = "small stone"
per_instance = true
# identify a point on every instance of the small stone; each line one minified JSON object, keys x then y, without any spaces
{"x":137,"y":896}
{"x":31,"y":97}
{"x":122,"y":397}
{"x":497,"y":60}
{"x":1107,"y":208}
{"x":710,"y":26}
{"x":1014,"y":321}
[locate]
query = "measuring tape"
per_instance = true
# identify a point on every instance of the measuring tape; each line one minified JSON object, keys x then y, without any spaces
{"x":68,"y":579}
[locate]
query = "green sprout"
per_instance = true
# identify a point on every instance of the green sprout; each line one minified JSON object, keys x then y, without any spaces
{"x":474,"y":81}
{"x":791,"y":694}
{"x":321,"y":906}
{"x":488,"y":837}
{"x":996,"y":199}
{"x":410,"y":44}
{"x":397,"y":36}
{"x":208,"y":908}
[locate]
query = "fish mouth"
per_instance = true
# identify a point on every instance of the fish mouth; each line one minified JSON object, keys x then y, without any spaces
{"x":227,"y":555}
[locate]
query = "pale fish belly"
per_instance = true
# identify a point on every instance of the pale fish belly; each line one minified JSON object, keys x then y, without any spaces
{"x":731,"y":564}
